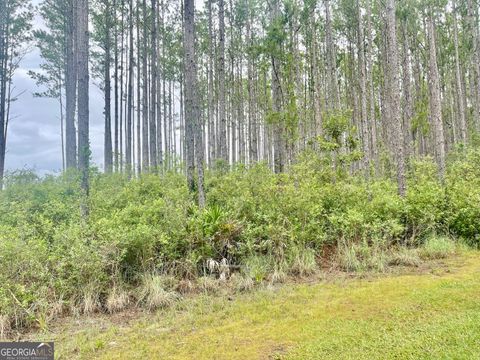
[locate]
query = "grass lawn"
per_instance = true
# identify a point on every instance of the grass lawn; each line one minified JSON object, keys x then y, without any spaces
{"x":433,"y":313}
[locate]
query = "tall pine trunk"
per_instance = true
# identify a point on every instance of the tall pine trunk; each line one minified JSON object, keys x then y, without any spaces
{"x":371,"y":89}
{"x":211,"y":87}
{"x":406,"y":87}
{"x":435,"y":99}
{"x":129,"y":122}
{"x":108,"y":156}
{"x":392,"y":71}
{"x":145,"y":113}
{"x":222,"y":138}
{"x":154,"y":115}
{"x":277,"y":101}
{"x":3,"y":85}
{"x":462,"y":123}
{"x":192,"y":113}
{"x":363,"y":91}
{"x":115,"y":76}
{"x":83,"y":101}
{"x":71,"y":87}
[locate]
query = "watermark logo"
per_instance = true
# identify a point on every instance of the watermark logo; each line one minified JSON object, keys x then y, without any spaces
{"x":26,"y":351}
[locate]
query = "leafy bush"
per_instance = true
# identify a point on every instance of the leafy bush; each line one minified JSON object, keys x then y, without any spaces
{"x":425,"y":201}
{"x":463,"y":196}
{"x":267,"y":225}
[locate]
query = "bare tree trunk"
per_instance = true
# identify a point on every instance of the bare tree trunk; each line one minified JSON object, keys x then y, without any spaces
{"x":62,"y":126}
{"x":128,"y":126}
{"x":116,"y":149}
{"x":252,"y":118}
{"x":183,"y":144}
{"x":363,"y":92}
{"x":435,"y":100}
{"x":393,"y":95}
{"x":122,"y":68}
{"x":192,"y":114}
{"x":146,"y":163}
{"x":241,"y":117}
{"x":170,"y":124}
{"x":83,"y":96}
{"x":71,"y":88}
{"x":165,"y":118}
{"x":139,"y":98}
{"x":458,"y":78}
{"x":277,"y":102}
{"x":108,"y":156}
{"x":454,"y":126}
{"x":332,"y":94}
{"x":150,"y":128}
{"x":174,"y":119}
{"x":472,"y":14}
{"x":222,"y":138}
{"x":232,"y":114}
{"x":159,"y":109}
{"x":316,"y":89}
{"x":372,"y":118}
{"x":417,"y":135}
{"x":407,"y":97}
{"x":211,"y":105}
{"x":164,"y":97}
{"x":3,"y":85}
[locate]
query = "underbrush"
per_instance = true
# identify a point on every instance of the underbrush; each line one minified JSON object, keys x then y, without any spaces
{"x":146,"y":242}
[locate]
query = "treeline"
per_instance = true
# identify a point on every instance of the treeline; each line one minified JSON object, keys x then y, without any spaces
{"x":369,"y":84}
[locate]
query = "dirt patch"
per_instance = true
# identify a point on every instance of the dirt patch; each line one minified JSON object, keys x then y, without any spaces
{"x":277,"y":352}
{"x":100,"y":321}
{"x":326,"y":260}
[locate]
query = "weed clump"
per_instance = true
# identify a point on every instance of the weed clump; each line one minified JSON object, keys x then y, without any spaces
{"x":437,"y":247}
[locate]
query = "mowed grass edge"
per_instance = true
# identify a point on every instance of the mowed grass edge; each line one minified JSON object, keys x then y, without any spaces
{"x":433,"y":314}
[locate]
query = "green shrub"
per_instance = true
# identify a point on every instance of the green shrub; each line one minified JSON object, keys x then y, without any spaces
{"x":463,"y":196}
{"x":425,"y":202}
{"x":268,"y":225}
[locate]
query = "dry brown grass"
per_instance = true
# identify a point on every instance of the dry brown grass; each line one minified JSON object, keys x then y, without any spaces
{"x":117,"y":300}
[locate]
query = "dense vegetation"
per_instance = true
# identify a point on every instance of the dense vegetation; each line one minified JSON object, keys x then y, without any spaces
{"x":244,"y":141}
{"x":146,"y":240}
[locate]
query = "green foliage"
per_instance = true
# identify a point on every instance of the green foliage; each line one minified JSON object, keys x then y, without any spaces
{"x":463,"y":196}
{"x":336,"y":123}
{"x":425,"y":202}
{"x":267,"y":225}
